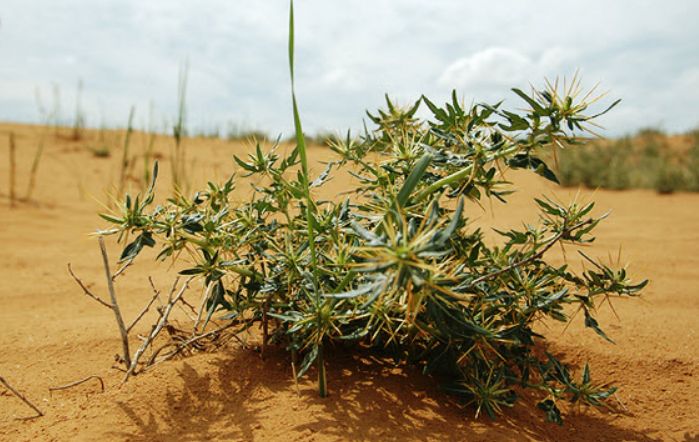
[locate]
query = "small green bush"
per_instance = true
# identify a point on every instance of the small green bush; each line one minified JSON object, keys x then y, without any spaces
{"x":669,"y":179}
{"x":100,"y":151}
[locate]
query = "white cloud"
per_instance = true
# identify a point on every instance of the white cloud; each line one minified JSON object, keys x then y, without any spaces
{"x":493,"y":70}
{"x":348,"y":54}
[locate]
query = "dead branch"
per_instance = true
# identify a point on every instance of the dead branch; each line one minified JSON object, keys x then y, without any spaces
{"x":115,"y":305}
{"x":207,"y":292}
{"x":76,"y":383}
{"x":152,"y":286}
{"x":191,"y":307}
{"x":86,"y":290}
{"x":179,"y":347}
{"x":21,"y":397}
{"x":122,"y":269}
{"x":159,"y":326}
{"x":144,"y":311}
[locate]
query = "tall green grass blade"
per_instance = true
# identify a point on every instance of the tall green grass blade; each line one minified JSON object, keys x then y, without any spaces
{"x":310,"y":206}
{"x":124,"y":166}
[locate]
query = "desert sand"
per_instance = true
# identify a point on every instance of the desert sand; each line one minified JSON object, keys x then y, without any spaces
{"x":52,"y":334}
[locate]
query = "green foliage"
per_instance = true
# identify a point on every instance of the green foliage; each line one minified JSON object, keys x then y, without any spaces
{"x":643,"y":161}
{"x":238,"y":132}
{"x":693,"y":162}
{"x":100,"y":151}
{"x":394,"y":266}
{"x":179,"y":161}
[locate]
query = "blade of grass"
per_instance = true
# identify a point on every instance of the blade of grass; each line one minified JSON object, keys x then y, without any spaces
{"x":301,"y":143}
{"x":125,"y":154}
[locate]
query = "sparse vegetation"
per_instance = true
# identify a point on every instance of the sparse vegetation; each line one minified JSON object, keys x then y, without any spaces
{"x":647,"y":160}
{"x":238,"y":132}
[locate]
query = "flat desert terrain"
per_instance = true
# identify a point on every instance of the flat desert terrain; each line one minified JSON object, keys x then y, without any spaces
{"x":52,"y":334}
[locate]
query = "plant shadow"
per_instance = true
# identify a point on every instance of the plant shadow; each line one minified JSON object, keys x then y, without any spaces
{"x":239,"y":396}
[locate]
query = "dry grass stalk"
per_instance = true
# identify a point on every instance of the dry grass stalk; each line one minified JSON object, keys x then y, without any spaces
{"x":13,"y":169}
{"x":35,"y":167}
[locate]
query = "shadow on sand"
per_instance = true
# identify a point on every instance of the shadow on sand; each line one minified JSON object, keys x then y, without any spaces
{"x":241,"y":397}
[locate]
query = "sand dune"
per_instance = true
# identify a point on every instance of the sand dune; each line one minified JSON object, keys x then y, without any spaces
{"x":52,"y":334}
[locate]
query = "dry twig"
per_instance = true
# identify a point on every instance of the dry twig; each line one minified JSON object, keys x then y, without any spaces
{"x":145,"y":309}
{"x":189,"y":342}
{"x":76,"y":383}
{"x":207,"y":292}
{"x":21,"y":396}
{"x":158,"y":327}
{"x":86,"y":290}
{"x":122,"y":269}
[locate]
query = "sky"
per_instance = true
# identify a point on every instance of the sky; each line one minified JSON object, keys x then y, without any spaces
{"x":348,"y":54}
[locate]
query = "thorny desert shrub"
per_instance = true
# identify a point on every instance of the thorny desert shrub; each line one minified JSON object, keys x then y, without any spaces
{"x":394,"y":266}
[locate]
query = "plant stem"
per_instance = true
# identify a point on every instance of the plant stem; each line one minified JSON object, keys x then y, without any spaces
{"x":125,"y":154}
{"x":13,"y":168}
{"x":178,"y":158}
{"x":456,"y":176}
{"x":35,"y":166}
{"x":115,"y":305}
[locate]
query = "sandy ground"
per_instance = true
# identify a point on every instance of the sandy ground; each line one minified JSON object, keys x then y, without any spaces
{"x":52,"y":334}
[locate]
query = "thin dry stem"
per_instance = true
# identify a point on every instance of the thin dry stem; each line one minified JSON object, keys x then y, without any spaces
{"x":144,"y":311}
{"x":115,"y":305}
{"x":201,"y":309}
{"x":122,"y":269}
{"x":86,"y":290}
{"x":158,"y":327}
{"x":76,"y":383}
{"x":21,"y":396}
{"x":181,"y":346}
{"x":13,"y":169}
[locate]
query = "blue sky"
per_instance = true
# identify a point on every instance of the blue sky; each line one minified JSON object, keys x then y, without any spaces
{"x":349,"y":54}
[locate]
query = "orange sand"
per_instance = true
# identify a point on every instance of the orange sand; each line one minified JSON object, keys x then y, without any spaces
{"x":52,"y":334}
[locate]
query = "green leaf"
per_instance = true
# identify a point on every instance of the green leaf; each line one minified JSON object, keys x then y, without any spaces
{"x":308,"y":360}
{"x":593,"y":324}
{"x":133,"y":249}
{"x":526,"y":161}
{"x":413,"y":179}
{"x":536,"y":106}
{"x":553,"y":414}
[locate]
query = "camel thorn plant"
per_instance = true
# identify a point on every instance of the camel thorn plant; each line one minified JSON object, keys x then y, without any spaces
{"x":394,"y":266}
